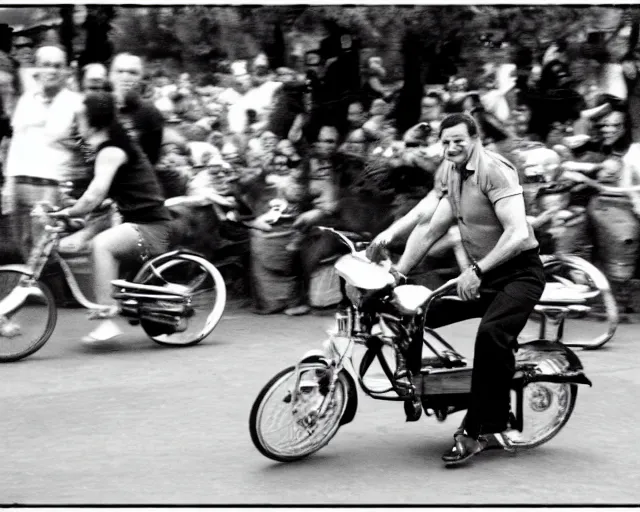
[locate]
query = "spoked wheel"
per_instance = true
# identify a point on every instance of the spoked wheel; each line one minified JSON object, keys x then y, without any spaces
{"x":205,"y":285}
{"x":28,"y":315}
{"x":547,"y":406}
{"x":589,"y":330}
{"x":286,"y":430}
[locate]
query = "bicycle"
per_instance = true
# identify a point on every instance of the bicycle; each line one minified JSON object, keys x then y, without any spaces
{"x":301,"y":408}
{"x":177,"y":298}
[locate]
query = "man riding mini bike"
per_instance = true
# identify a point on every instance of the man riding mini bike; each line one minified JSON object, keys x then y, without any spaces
{"x":482,"y":195}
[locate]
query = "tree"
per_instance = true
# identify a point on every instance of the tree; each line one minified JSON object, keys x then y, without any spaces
{"x":98,"y":47}
{"x":67,"y":31}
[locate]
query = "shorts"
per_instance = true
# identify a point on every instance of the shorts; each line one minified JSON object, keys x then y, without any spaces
{"x":153,"y":238}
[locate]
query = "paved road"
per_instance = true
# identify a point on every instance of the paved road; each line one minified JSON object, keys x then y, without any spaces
{"x":139,"y":423}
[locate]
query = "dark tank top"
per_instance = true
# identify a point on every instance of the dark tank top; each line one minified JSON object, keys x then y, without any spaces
{"x":135,"y":187}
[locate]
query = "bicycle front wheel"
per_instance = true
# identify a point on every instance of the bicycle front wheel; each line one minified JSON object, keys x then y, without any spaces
{"x":28,"y":315}
{"x":285,"y":429}
{"x":204,"y":284}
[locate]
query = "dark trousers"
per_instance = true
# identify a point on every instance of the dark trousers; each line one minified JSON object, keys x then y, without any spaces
{"x":508,"y":295}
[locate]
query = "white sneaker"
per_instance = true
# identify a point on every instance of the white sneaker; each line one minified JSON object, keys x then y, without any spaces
{"x":106,"y":331}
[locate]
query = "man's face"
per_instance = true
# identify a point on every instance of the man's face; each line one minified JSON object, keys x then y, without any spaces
{"x":612,"y":127}
{"x":126,"y":74}
{"x":327,"y":143}
{"x":95,"y":79}
{"x":457,"y":143}
{"x":355,"y":115}
{"x":431,"y":109}
{"x":51,"y":64}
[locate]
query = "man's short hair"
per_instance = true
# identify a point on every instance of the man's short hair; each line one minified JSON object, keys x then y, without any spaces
{"x":50,"y":49}
{"x":128,"y":56}
{"x":93,"y":69}
{"x":456,"y":119}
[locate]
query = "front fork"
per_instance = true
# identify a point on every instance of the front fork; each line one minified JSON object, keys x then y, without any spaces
{"x":336,"y":357}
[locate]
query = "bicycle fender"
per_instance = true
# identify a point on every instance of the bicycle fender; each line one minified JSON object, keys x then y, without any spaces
{"x":546,"y":361}
{"x":317,"y":355}
{"x":18,"y":267}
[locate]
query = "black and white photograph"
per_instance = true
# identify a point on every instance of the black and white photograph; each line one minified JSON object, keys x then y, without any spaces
{"x":319,"y":255}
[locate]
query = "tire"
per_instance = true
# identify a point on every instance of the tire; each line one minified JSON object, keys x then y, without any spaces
{"x":581,"y":272}
{"x":257,"y":420}
{"x":191,"y":272}
{"x":35,"y":318}
{"x":536,"y":396}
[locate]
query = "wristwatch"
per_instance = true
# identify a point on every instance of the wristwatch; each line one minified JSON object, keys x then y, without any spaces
{"x":476,"y":268}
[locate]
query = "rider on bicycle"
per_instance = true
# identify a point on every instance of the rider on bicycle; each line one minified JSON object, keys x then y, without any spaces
{"x":481,"y":193}
{"x":131,"y":182}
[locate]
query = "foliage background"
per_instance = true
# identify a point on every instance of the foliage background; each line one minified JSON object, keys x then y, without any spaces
{"x":199,"y":37}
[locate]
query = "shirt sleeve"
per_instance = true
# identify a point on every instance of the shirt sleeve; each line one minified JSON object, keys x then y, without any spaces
{"x":631,"y":167}
{"x":499,"y":180}
{"x":441,"y":185}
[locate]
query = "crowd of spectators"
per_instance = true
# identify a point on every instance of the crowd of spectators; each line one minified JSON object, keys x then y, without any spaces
{"x":290,"y":150}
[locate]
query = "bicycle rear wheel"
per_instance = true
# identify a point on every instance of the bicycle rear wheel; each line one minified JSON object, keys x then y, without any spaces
{"x":28,"y":315}
{"x":202,"y":281}
{"x":547,"y":407}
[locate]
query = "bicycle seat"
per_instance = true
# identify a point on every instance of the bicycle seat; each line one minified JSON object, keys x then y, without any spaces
{"x":560,"y":293}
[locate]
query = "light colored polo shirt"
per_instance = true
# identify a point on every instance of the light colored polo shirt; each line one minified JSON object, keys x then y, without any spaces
{"x":491,"y":178}
{"x":43,"y":132}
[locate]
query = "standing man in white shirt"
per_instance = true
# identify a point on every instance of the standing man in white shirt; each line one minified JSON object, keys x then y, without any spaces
{"x":42,"y":151}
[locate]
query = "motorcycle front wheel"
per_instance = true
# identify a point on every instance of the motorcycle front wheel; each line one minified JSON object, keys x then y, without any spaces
{"x":547,"y":407}
{"x":285,"y":430}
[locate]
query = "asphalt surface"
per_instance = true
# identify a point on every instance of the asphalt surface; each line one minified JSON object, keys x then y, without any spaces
{"x":137,"y":423}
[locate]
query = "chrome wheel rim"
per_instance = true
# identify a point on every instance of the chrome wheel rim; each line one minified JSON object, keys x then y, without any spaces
{"x":295,"y":430}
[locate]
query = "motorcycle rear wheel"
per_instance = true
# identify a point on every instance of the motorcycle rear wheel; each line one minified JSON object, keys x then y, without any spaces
{"x":299,"y":442}
{"x":547,"y":407}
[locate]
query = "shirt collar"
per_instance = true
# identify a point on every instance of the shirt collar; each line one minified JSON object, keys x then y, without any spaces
{"x":39,"y":95}
{"x":472,"y":164}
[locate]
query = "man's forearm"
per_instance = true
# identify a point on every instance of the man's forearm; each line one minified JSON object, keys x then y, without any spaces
{"x":509,"y":245}
{"x":420,"y":242}
{"x":423,"y":211}
{"x":404,"y":225}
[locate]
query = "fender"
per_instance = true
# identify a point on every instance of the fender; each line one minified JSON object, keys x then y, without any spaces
{"x":546,"y":361}
{"x":16,"y":298}
{"x":18,"y":267}
{"x":163,"y":256}
{"x":316,"y":356}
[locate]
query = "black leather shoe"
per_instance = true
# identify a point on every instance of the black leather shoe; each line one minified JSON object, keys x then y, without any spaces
{"x":464,"y":447}
{"x":413,"y":409}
